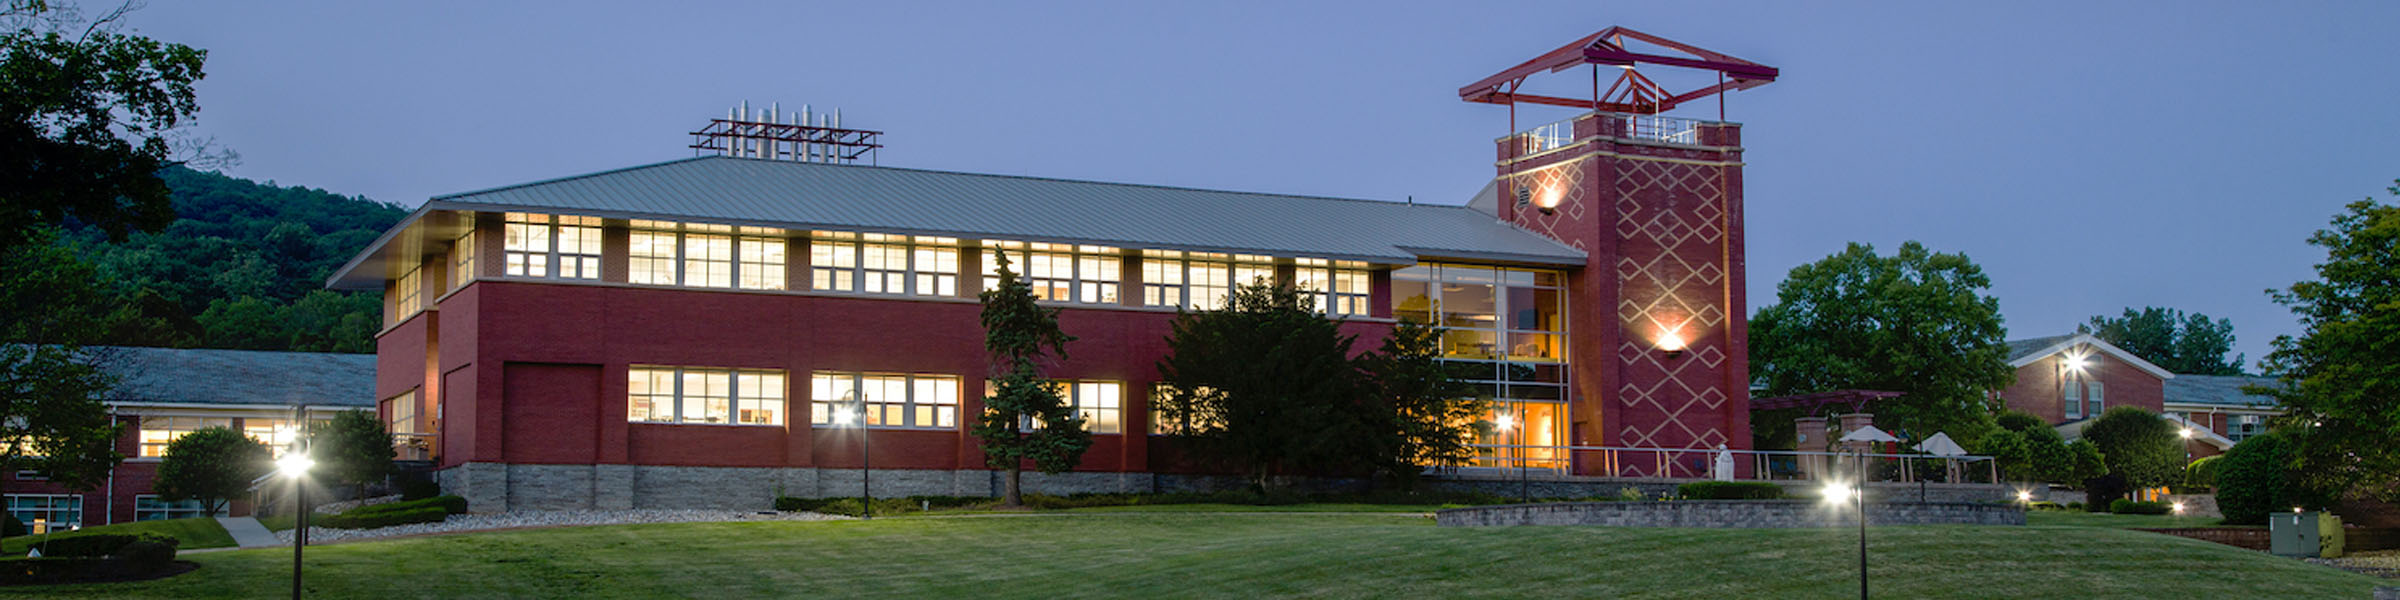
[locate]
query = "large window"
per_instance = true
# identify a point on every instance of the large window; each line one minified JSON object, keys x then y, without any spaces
{"x":1339,"y":286}
{"x":890,"y":401}
{"x":1100,"y":403}
{"x":1058,"y":272}
{"x":462,"y":260}
{"x":58,"y":511}
{"x":698,"y":395}
{"x":1488,"y":313}
{"x":2241,"y":427}
{"x":2094,"y":400}
{"x":1199,"y":280}
{"x":1163,"y":424}
{"x":561,"y":246}
{"x":406,"y":300}
{"x":157,"y":432}
{"x":276,"y":434}
{"x":149,"y":507}
{"x":883,"y":264}
{"x":700,"y":255}
{"x":2071,"y":398}
{"x":1539,"y":426}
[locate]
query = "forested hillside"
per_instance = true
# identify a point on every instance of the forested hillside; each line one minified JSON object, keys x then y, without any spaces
{"x":243,"y":266}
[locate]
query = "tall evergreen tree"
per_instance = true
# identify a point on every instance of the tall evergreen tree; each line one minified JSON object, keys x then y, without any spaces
{"x":1434,"y":413}
{"x":1270,"y":387}
{"x":1021,"y":334}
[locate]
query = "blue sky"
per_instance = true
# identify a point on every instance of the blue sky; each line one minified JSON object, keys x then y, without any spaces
{"x":2091,"y":156}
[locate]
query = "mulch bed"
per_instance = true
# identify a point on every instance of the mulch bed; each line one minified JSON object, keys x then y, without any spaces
{"x":177,"y":568}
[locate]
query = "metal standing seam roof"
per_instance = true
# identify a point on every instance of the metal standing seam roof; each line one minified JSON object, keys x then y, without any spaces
{"x":238,"y":377}
{"x":895,"y":200}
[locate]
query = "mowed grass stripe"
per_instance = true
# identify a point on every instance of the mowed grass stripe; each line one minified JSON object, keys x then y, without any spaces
{"x":1186,"y":555}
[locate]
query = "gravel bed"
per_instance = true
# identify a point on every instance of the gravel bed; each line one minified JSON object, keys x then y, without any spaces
{"x":509,"y":520}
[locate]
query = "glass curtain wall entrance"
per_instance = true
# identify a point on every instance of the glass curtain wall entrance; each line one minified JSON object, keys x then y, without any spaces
{"x":1505,"y":334}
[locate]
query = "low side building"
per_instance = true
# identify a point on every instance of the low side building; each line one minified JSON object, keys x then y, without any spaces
{"x":164,"y":393}
{"x":2217,"y":412}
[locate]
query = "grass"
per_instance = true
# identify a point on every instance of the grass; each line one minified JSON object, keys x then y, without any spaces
{"x":2077,"y":518}
{"x":195,"y":533}
{"x":1181,"y":555}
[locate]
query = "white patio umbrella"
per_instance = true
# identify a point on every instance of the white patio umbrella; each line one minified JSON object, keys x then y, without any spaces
{"x":1941,"y":445}
{"x":1868,"y":434}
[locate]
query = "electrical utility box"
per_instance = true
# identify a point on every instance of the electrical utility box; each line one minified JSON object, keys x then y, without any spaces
{"x":2305,"y":535}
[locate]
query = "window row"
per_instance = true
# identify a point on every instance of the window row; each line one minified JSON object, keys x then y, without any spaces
{"x":1489,"y":313}
{"x":157,"y":432}
{"x":705,"y":396}
{"x":724,"y":256}
{"x":54,"y":511}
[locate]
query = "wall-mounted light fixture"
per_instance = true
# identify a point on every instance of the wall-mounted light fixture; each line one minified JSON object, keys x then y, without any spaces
{"x":1671,"y":343}
{"x":2078,"y":360}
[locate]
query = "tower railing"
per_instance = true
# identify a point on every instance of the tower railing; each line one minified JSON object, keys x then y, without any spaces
{"x":1562,"y":133}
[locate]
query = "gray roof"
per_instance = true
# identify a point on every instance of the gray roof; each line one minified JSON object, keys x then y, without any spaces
{"x":2221,"y":390}
{"x":2019,"y":349}
{"x":193,"y":376}
{"x":746,"y":191}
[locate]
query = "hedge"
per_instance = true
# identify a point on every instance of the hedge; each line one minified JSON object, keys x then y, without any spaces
{"x":384,"y":518}
{"x":1730,"y":490}
{"x":97,"y":544}
{"x":2254,"y":479}
{"x":2124,"y":506}
{"x":134,"y":558}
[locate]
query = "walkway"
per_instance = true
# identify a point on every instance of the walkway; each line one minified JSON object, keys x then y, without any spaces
{"x":248,"y":533}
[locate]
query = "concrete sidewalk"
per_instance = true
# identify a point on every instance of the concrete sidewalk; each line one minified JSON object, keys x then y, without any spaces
{"x":248,"y":533}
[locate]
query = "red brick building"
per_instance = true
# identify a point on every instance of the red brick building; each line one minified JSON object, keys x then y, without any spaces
{"x":163,"y":393}
{"x":2068,"y":379}
{"x":681,"y":333}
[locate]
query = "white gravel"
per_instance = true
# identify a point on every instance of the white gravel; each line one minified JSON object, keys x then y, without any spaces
{"x":508,"y":520}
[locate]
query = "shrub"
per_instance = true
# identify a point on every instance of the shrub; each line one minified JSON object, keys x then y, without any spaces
{"x":382,"y":518}
{"x":1730,"y":490}
{"x":419,"y":489}
{"x":23,"y":571}
{"x":2254,"y":479}
{"x":790,"y":504}
{"x":11,"y":527}
{"x":2203,"y":473}
{"x":91,"y":545}
{"x":2124,"y":506}
{"x":449,"y":504}
{"x":2046,"y":505}
{"x":2074,"y":506}
{"x":145,"y":556}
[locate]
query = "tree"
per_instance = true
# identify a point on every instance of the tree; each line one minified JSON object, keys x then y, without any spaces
{"x":211,"y":465}
{"x":1020,"y":333}
{"x":2341,"y":382}
{"x":353,"y":449}
{"x":1270,"y":387}
{"x":85,"y":120}
{"x":2140,"y":449}
{"x":2189,"y":344}
{"x":1916,"y":322}
{"x":1435,"y":414}
{"x":2030,"y":450}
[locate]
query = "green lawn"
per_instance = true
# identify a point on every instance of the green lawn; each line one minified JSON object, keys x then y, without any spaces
{"x":195,"y":533}
{"x":2077,"y":518}
{"x":1167,"y":555}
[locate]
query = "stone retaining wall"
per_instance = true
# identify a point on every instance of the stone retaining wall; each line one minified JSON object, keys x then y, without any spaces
{"x":1554,"y":487}
{"x":1729,"y":513}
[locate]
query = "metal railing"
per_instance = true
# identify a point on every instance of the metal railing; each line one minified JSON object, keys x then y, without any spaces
{"x":1547,"y":137}
{"x":1672,"y":130}
{"x":1560,"y":134}
{"x":1746,"y":465}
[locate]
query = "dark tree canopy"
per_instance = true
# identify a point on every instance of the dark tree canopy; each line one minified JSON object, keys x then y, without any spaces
{"x":1434,"y":413}
{"x":2188,"y":344}
{"x":2341,"y":391}
{"x":84,"y":122}
{"x":211,"y":465}
{"x":1020,"y":334}
{"x":2141,"y":450}
{"x":1270,"y":387}
{"x":352,"y":449}
{"x":2030,"y":450}
{"x":2258,"y":476}
{"x":1915,"y":322}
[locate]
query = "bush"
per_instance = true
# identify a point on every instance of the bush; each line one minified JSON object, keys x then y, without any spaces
{"x":790,"y":504}
{"x":25,"y":571}
{"x":2203,"y":473}
{"x":449,"y":504}
{"x":90,"y":545}
{"x":1730,"y":490}
{"x":11,"y":527}
{"x":382,"y":518}
{"x":2254,"y":479}
{"x":2074,"y":506}
{"x":2124,"y":506}
{"x":419,"y":489}
{"x":2045,"y":505}
{"x":145,"y":556}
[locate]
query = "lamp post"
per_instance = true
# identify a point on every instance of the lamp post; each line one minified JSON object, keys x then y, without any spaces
{"x":295,"y":466}
{"x":1861,"y":462}
{"x":856,"y":417}
{"x":1524,"y":489}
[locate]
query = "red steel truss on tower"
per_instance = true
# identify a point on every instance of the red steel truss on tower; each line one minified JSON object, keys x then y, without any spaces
{"x":1630,"y":92}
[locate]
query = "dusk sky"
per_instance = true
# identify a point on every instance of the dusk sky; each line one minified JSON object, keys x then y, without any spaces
{"x":2090,"y":156}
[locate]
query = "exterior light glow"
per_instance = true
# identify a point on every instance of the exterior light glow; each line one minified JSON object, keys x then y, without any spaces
{"x":1838,"y":492}
{"x":2077,"y":362}
{"x":1672,"y":343}
{"x":2185,"y":432}
{"x":2295,"y":510}
{"x":845,"y":416}
{"x":1505,"y":422}
{"x":2027,"y":496}
{"x":2178,"y":507}
{"x":294,"y":465}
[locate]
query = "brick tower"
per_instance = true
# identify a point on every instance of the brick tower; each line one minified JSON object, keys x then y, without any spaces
{"x":1657,"y":316}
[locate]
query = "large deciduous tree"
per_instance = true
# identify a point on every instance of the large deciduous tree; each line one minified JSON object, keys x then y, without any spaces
{"x":211,"y":465}
{"x":1268,"y":386}
{"x":352,"y":449}
{"x":1434,"y":413}
{"x":2030,"y":450}
{"x":1021,"y":334}
{"x":2341,"y":375}
{"x":2141,"y":450}
{"x":85,"y":118}
{"x":2189,"y":344}
{"x":1916,"y":322}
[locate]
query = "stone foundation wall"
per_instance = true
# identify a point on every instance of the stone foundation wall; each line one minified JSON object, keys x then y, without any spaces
{"x":1554,"y":487}
{"x":1729,"y":513}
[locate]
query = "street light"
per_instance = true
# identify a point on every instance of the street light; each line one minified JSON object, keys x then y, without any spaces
{"x":295,"y":466}
{"x":1524,"y":488}
{"x":866,"y":444}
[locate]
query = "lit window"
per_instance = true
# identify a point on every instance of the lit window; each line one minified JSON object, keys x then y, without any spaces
{"x":1058,"y":272}
{"x":762,"y":263}
{"x":462,"y":260}
{"x":651,"y":256}
{"x":1199,"y":280}
{"x":708,"y":260}
{"x":887,"y":401}
{"x":2072,"y":400}
{"x":406,"y":300}
{"x":1486,"y":313}
{"x":275,"y":434}
{"x":1162,"y":278}
{"x":148,"y":507}
{"x":1161,"y":424}
{"x":57,"y":511}
{"x":936,"y":267}
{"x":157,"y":432}
{"x":2093,"y":399}
{"x":1101,"y":403}
{"x":566,"y":247}
{"x":1338,"y":287}
{"x":704,"y":396}
{"x":884,"y":264}
{"x":402,"y":413}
